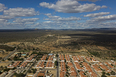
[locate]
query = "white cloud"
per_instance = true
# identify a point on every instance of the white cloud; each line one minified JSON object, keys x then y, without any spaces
{"x":2,"y":7}
{"x":5,"y":17}
{"x":48,"y":14}
{"x":104,"y":6}
{"x":17,"y":12}
{"x":23,"y":22}
{"x":19,"y":23}
{"x":68,"y":19}
{"x":62,"y":25}
{"x":93,"y":0}
{"x":58,"y":18}
{"x":57,"y":22}
{"x":37,"y":24}
{"x":20,"y":20}
{"x":97,"y":14}
{"x":102,"y":19}
{"x":12,"y":13}
{"x":108,"y":25}
{"x":47,"y":22}
{"x":88,"y":0}
{"x":66,"y":23}
{"x":29,"y":23}
{"x":3,"y":20}
{"x":71,"y":6}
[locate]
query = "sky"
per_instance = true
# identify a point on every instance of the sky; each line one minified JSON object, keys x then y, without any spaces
{"x":57,"y":14}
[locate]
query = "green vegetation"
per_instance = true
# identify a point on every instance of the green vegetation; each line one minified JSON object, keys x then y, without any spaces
{"x":103,"y":74}
{"x":7,"y":48}
{"x":29,"y":71}
{"x":18,"y":58}
{"x":80,"y":39}
{"x":104,"y":54}
{"x":108,"y":74}
{"x":34,"y":70}
{"x":20,"y":35}
{"x":40,"y":53}
{"x":24,"y":51}
{"x":56,"y":55}
{"x":95,"y":54}
{"x":0,"y":72}
{"x":6,"y":69}
{"x":56,"y":63}
{"x":113,"y":73}
{"x":19,"y":75}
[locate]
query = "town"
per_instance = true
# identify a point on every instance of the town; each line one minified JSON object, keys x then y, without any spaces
{"x":42,"y":64}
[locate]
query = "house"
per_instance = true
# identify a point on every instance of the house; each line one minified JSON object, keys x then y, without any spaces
{"x":49,"y":65}
{"x":40,"y":64}
{"x":74,"y":58}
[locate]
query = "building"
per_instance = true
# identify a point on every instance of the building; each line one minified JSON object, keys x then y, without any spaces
{"x":40,"y":64}
{"x":49,"y":65}
{"x":23,"y":64}
{"x":14,"y":65}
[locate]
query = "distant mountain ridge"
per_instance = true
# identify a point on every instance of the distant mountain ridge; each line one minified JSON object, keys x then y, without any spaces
{"x":34,"y":29}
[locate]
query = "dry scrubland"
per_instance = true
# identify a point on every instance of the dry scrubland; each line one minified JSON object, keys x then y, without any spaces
{"x":98,"y":43}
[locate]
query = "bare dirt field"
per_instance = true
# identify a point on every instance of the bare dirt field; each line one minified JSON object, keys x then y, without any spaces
{"x":4,"y":54}
{"x":4,"y":64}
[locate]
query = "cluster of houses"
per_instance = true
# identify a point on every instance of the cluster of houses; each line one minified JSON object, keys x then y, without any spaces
{"x":49,"y":62}
{"x":42,"y":73}
{"x":83,"y":66}
{"x":22,"y":64}
{"x":17,"y":64}
{"x":66,"y":66}
{"x":7,"y":74}
{"x":69,"y":65}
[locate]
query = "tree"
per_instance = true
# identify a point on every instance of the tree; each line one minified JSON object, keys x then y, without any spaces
{"x":0,"y":72}
{"x":29,"y":71}
{"x":56,"y":55}
{"x":1,"y":67}
{"x":9,"y":59}
{"x":113,"y":73}
{"x":7,"y":69}
{"x":108,"y":74}
{"x":67,"y":67}
{"x":19,"y":75}
{"x":103,"y":74}
{"x":56,"y":63}
{"x":34,"y":70}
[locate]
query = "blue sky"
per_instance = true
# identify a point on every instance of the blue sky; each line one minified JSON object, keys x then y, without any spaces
{"x":57,"y":14}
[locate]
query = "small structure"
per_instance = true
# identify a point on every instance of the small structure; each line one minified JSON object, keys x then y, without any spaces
{"x":48,"y":75}
{"x":50,"y":54}
{"x":14,"y":65}
{"x":41,"y":74}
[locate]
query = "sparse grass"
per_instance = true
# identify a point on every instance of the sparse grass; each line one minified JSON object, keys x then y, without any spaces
{"x":78,"y":41}
{"x":24,"y":51}
{"x":7,"y":48}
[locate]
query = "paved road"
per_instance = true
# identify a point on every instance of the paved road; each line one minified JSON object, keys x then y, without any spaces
{"x":10,"y":54}
{"x":7,"y":45}
{"x":29,"y":67}
{"x":91,"y":67}
{"x":58,"y":66}
{"x":75,"y":67}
